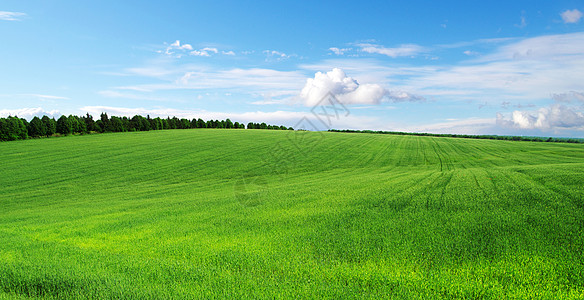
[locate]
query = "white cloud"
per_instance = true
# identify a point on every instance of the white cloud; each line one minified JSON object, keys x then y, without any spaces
{"x":569,"y":97}
{"x":401,"y":96}
{"x":29,"y":113}
{"x":470,"y":53}
{"x":555,"y":117}
{"x":200,"y":53}
{"x":177,"y":50}
{"x":347,"y":90}
{"x":255,"y":78}
{"x":403,"y":50}
{"x":523,"y":70}
{"x":339,"y":51}
{"x":207,"y":51}
{"x":277,"y":55}
{"x":11,"y":16}
{"x":44,"y":97}
{"x":176,"y":46}
{"x":571,"y":16}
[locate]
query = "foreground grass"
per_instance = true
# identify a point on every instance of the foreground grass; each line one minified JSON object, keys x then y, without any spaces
{"x":267,"y":214}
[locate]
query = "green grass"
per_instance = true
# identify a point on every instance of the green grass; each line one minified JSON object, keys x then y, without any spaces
{"x":270,"y":214}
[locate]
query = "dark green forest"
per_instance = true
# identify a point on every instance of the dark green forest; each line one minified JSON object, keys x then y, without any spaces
{"x":15,"y":128}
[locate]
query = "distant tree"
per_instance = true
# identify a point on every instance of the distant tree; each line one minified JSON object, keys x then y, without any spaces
{"x":12,"y":128}
{"x":145,"y":124}
{"x":105,"y":123}
{"x":125,"y":123}
{"x":139,"y":123}
{"x":50,"y":125}
{"x":3,"y":130}
{"x":228,"y":123}
{"x":165,"y":124}
{"x":201,"y":123}
{"x":236,"y":125}
{"x":116,"y":124}
{"x":75,"y":126}
{"x":158,"y":125}
{"x":36,"y":127}
{"x":64,"y":125}
{"x":184,"y":124}
{"x":89,"y":123}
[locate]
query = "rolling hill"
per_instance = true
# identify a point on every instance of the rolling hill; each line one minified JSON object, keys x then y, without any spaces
{"x":278,"y":214}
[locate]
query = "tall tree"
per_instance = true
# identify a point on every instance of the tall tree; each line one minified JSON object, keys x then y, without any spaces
{"x":201,"y":123}
{"x":50,"y":125}
{"x":105,"y":122}
{"x":116,"y":124}
{"x":64,"y":125}
{"x":36,"y":127}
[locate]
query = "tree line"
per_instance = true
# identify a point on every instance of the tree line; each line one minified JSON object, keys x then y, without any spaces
{"x":15,"y":128}
{"x":470,"y":136}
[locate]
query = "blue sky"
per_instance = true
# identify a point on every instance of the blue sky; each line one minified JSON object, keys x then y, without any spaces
{"x":474,"y":67}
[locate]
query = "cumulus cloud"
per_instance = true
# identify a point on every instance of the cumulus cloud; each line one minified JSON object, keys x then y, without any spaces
{"x":11,"y":16}
{"x":555,"y":117}
{"x":403,"y":50}
{"x":29,"y":113}
{"x":571,"y":16}
{"x":347,"y":90}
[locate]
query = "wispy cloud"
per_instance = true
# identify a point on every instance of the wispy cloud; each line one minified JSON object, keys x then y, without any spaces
{"x":253,"y":81}
{"x":571,"y":16}
{"x":523,"y":22}
{"x":402,"y":50}
{"x":465,"y":126}
{"x":11,"y":16}
{"x":339,"y":51}
{"x":204,"y":52}
{"x":277,"y":55}
{"x":527,"y":69}
{"x":178,"y":50}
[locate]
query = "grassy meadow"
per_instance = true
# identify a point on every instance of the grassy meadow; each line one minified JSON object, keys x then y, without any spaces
{"x":207,"y":213}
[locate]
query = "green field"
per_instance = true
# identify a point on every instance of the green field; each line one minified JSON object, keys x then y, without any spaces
{"x":273,"y":214}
